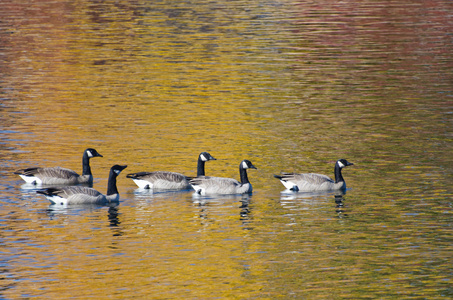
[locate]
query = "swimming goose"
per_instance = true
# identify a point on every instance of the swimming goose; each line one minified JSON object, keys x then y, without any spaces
{"x":169,"y":180}
{"x":310,"y":182}
{"x":60,"y":176}
{"x":204,"y":185}
{"x":67,"y":195}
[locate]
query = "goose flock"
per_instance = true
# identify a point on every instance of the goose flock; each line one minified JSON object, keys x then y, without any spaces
{"x":68,"y":187}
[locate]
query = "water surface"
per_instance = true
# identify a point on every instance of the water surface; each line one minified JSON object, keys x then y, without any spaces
{"x":291,"y":86}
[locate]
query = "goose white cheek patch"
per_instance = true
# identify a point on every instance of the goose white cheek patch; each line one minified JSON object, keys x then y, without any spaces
{"x":203,"y":158}
{"x":340,"y":165}
{"x":244,"y":165}
{"x":89,"y":154}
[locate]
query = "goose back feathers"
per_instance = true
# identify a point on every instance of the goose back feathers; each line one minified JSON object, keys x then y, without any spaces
{"x":311,"y":182}
{"x":160,"y":180}
{"x":70,"y":195}
{"x":58,"y":175}
{"x":205,"y":185}
{"x":169,"y":180}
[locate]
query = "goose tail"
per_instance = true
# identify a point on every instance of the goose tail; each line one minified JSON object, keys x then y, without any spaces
{"x":47,"y":192}
{"x":52,"y":196}
{"x":132,"y":175}
{"x":287,"y":183}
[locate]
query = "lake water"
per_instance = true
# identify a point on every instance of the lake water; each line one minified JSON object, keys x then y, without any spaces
{"x":290,"y":85}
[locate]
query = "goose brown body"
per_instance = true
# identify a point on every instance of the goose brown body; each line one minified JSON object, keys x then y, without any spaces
{"x":58,"y":175}
{"x":69,"y":195}
{"x":169,"y":180}
{"x":205,"y":185}
{"x":312,"y":182}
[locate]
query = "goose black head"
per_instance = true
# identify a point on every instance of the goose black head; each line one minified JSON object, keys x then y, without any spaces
{"x":205,"y":156}
{"x":247,"y":164}
{"x":91,"y":152}
{"x":117,"y":169}
{"x":344,"y":163}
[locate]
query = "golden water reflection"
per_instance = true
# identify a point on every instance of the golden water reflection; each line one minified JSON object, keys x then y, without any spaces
{"x":292,"y":86}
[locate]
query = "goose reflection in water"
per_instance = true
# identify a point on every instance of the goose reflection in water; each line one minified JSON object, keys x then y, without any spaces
{"x":308,"y":200}
{"x":154,"y":194}
{"x":246,"y":215}
{"x":112,"y":213}
{"x":245,"y":211}
{"x":113,"y":216}
{"x":56,"y":209}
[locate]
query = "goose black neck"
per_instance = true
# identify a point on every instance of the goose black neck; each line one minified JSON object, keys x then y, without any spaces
{"x":338,"y":176}
{"x":244,"y":177}
{"x":200,"y":167}
{"x":86,"y":164}
{"x":111,"y":185}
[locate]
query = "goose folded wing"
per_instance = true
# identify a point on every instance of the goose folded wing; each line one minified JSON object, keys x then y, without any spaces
{"x":56,"y":172}
{"x":158,"y":175}
{"x":211,"y":181}
{"x":314,"y":178}
{"x":170,"y":176}
{"x":69,"y":191}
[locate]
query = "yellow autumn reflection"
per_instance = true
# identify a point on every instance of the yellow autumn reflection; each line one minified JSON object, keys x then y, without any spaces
{"x":291,"y":85}
{"x":135,"y":75}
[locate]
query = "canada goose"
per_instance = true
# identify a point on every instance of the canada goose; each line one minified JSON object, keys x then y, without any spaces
{"x":84,"y":195}
{"x":60,"y":176}
{"x":310,"y":182}
{"x":204,"y":185}
{"x":168,"y":180}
